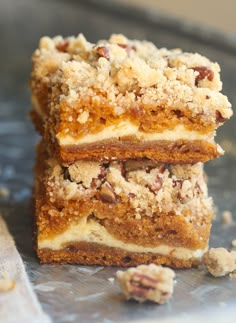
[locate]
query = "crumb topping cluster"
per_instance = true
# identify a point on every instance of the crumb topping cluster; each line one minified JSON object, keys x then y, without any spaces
{"x":147,"y":186}
{"x":152,"y":282}
{"x":122,"y":73}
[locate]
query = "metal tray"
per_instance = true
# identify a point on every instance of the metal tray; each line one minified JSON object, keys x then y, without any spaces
{"x":84,"y":294}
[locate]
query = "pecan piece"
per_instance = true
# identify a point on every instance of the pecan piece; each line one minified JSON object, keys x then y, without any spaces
{"x":204,"y":72}
{"x":156,"y":185}
{"x":219,"y":117}
{"x":103,"y":51}
{"x":62,"y":47}
{"x":107,"y":193}
{"x":151,"y":282}
{"x":127,"y":47}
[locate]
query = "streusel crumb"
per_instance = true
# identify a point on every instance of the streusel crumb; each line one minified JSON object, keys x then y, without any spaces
{"x":219,"y":261}
{"x":151,"y":282}
{"x":227,"y":217}
{"x":6,"y":283}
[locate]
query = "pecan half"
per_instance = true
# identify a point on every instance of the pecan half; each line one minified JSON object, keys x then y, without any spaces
{"x":62,"y":47}
{"x":103,"y":51}
{"x":219,"y":117}
{"x":204,"y":73}
{"x":107,"y":193}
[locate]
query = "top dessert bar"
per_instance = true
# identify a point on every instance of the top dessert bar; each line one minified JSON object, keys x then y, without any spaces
{"x":120,"y":99}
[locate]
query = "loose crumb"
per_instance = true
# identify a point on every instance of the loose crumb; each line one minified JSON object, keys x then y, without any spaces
{"x":233,"y":243}
{"x":233,"y":274}
{"x":152,"y":282}
{"x":4,"y":191}
{"x":6,"y":283}
{"x":111,"y":279}
{"x":219,"y":261}
{"x":227,"y":217}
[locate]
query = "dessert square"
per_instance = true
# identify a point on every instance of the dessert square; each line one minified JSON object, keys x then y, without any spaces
{"x":126,"y":99}
{"x":120,"y":213}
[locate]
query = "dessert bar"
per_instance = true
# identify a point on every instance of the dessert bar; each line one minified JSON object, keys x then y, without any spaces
{"x":121,"y":212}
{"x":126,"y":99}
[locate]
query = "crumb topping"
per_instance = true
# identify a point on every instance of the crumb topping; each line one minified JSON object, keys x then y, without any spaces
{"x":148,"y":186}
{"x":6,"y":283}
{"x":120,"y":73}
{"x":227,"y":217}
{"x":147,"y":282}
{"x":220,"y":261}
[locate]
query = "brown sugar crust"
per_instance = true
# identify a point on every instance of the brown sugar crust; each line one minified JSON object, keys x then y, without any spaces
{"x":175,"y":152}
{"x":96,"y":254}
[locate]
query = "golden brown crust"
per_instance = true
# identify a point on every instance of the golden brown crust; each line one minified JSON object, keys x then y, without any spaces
{"x":96,"y":254}
{"x":173,"y":152}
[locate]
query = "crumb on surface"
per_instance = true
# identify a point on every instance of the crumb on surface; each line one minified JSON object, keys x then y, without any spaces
{"x":219,"y":261}
{"x":111,"y":279}
{"x":233,"y":243}
{"x":4,"y":191}
{"x":227,"y":217}
{"x":6,"y":283}
{"x":147,"y":282}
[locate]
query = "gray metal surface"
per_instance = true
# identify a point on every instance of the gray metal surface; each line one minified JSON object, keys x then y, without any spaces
{"x":78,"y":293}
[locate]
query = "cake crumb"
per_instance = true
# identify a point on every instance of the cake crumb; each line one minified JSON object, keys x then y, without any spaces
{"x":220,"y":261}
{"x":227,"y":217}
{"x":147,"y":282}
{"x":111,"y":279}
{"x":6,"y":283}
{"x":233,"y":274}
{"x":4,"y":191}
{"x":233,"y":243}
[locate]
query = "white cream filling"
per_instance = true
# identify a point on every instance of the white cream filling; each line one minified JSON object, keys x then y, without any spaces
{"x":125,"y":128}
{"x":92,"y":231}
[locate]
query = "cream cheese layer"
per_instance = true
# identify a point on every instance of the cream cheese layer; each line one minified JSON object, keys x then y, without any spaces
{"x":125,"y":128}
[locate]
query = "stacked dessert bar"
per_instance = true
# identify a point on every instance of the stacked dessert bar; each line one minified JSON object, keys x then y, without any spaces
{"x":125,"y":130}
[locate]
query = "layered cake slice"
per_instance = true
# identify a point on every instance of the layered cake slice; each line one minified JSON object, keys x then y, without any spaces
{"x":124,"y":99}
{"x":121,"y":212}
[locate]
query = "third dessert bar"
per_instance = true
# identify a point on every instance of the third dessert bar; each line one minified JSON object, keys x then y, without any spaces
{"x":126,"y":99}
{"x":121,"y":212}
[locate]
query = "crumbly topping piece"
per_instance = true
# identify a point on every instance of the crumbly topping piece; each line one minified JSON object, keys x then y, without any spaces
{"x":148,"y":186}
{"x":119,"y":72}
{"x":152,"y":282}
{"x":6,"y":283}
{"x":233,"y":243}
{"x":220,"y":261}
{"x":84,"y":171}
{"x":227,"y":217}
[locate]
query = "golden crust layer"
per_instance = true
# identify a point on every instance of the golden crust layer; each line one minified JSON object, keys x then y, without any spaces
{"x":95,"y":254}
{"x":165,"y":151}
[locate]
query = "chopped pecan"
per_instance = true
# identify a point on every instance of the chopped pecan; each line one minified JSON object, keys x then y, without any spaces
{"x":219,"y":117}
{"x":127,"y":47}
{"x":177,"y":182}
{"x":103,"y":51}
{"x":62,"y":47}
{"x":107,"y":193}
{"x":156,"y":185}
{"x":204,"y":72}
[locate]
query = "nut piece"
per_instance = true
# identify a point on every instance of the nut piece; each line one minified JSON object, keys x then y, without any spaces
{"x":227,"y":217}
{"x":152,"y":282}
{"x":107,"y":193}
{"x":219,"y":117}
{"x":62,"y":47}
{"x":6,"y":283}
{"x":204,"y":73}
{"x":103,"y":51}
{"x":219,"y":261}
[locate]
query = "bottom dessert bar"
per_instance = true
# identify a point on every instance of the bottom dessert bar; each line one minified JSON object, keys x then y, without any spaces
{"x":121,"y":213}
